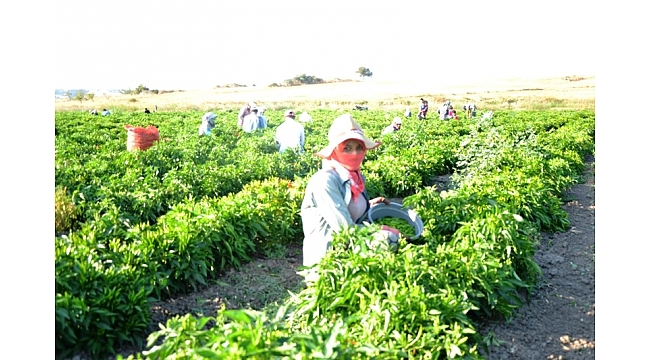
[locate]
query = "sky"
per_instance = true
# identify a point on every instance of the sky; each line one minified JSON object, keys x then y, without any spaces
{"x":201,"y":44}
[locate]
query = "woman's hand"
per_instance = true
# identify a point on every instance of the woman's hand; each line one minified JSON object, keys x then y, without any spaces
{"x":378,"y":200}
{"x":390,"y":229}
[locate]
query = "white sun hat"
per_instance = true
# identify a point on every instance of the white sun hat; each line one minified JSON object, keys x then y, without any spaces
{"x":343,"y":128}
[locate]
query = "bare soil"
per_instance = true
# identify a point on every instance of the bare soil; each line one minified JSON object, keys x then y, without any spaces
{"x":558,"y":321}
{"x":255,"y":285}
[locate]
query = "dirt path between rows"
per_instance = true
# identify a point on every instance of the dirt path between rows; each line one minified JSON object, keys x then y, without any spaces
{"x":559,"y":322}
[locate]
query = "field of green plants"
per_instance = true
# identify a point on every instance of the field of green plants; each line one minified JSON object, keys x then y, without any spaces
{"x":136,"y":227}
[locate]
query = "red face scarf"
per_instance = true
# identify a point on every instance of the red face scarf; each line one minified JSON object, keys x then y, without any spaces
{"x":351,"y":163}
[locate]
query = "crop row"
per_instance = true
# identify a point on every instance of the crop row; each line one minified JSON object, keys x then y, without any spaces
{"x":167,"y":220}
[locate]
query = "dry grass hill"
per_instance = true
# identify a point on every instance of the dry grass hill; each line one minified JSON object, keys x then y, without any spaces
{"x":569,"y":91}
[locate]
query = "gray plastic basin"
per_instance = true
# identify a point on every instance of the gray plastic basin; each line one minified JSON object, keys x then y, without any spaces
{"x":396,"y":210}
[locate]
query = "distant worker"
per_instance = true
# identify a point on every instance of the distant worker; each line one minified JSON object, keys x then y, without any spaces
{"x":394,"y":126}
{"x":243,"y":112}
{"x":290,"y":134}
{"x":147,"y":111}
{"x":263,"y":120}
{"x":207,"y":123}
{"x":424,"y":108}
{"x":253,"y":122}
{"x":407,"y":113}
{"x":92,"y":112}
{"x":105,"y":112}
{"x":470,"y":110}
{"x":488,"y":115}
{"x":443,"y":110}
{"x":305,"y":117}
{"x":452,"y":113}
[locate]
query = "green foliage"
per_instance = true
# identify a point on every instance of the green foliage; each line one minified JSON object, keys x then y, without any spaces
{"x":189,"y":245}
{"x":303,"y":79}
{"x":65,"y":211}
{"x":401,"y":225}
{"x":494,"y":254}
{"x":140,"y":89}
{"x":80,"y":95}
{"x":99,"y":304}
{"x":241,"y":334}
{"x":391,"y":301}
{"x":165,"y":221}
{"x":364,"y":72}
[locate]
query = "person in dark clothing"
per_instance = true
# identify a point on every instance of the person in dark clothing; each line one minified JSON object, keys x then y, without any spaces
{"x":424,"y":108}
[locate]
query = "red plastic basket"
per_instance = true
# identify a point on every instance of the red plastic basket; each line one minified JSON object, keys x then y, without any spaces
{"x":140,"y":138}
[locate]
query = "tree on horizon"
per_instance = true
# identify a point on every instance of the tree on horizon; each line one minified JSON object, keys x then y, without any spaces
{"x":364,"y":72}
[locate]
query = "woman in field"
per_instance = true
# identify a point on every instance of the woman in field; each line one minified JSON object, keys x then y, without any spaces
{"x":335,"y":196}
{"x":452,"y":113}
{"x":243,"y":112}
{"x":424,"y":108}
{"x":207,"y":123}
{"x":394,"y":126}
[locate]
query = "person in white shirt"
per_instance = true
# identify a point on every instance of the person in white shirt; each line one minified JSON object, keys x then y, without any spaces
{"x":243,"y":112}
{"x":305,"y":117}
{"x":290,"y":134}
{"x":253,"y":122}
{"x":394,"y":126}
{"x":443,"y":110}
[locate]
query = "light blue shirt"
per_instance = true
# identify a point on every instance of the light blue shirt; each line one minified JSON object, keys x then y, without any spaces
{"x":324,"y":211}
{"x":263,"y":122}
{"x":253,"y":122}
